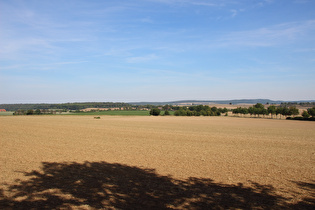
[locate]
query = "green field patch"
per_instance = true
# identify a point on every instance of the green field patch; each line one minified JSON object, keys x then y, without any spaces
{"x":6,"y":113}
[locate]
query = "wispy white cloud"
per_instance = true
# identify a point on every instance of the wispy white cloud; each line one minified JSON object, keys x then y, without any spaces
{"x":19,"y":47}
{"x":269,"y":36}
{"x":140,"y":59}
{"x":210,"y":3}
{"x":146,"y":20}
{"x":302,"y":1}
{"x":39,"y":66}
{"x":262,"y":3}
{"x":27,"y":32}
{"x":235,"y":12}
{"x":305,"y":50}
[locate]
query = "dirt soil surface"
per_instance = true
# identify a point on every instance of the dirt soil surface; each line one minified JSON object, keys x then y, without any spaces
{"x":139,"y":162}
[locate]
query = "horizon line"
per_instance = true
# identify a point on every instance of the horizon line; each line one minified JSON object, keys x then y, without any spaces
{"x":182,"y":101}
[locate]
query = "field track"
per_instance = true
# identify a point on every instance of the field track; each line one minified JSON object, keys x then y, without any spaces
{"x":198,"y":161}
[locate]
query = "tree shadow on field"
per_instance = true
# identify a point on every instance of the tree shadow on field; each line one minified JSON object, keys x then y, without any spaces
{"x":307,"y":202}
{"x":116,"y":186}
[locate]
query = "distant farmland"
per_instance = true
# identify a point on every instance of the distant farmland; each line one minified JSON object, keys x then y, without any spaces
{"x":119,"y":112}
{"x":114,"y":112}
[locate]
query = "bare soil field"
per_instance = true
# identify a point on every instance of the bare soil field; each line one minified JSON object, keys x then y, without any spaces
{"x":146,"y":162}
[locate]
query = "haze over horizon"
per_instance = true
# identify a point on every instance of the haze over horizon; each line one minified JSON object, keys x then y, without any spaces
{"x":156,"y":50}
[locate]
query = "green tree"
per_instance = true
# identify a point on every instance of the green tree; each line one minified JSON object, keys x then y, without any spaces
{"x":256,"y":111}
{"x":224,"y":110}
{"x":260,"y":109}
{"x":166,"y":107}
{"x":189,"y":113}
{"x":155,"y":112}
{"x":285,"y":111}
{"x":272,"y":110}
{"x":203,"y":112}
{"x":259,"y":106}
{"x":214,"y":109}
{"x":311,"y":111}
{"x":235,"y":111}
{"x":305,"y":114}
{"x":199,"y":108}
{"x":264,"y":112}
{"x":180,"y":112}
{"x":166,"y":113}
{"x":30,"y":112}
{"x":197,"y":113}
{"x":240,"y":110}
{"x":244,"y":111}
{"x":37,"y":111}
{"x":293,"y":111}
{"x":279,"y":111}
{"x":251,"y":110}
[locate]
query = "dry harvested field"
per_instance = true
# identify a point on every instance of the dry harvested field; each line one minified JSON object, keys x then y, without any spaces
{"x":119,"y":162}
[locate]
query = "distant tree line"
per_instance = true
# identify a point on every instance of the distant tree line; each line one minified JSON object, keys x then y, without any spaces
{"x":259,"y":109}
{"x":36,"y":112}
{"x":200,"y":110}
{"x":304,"y":104}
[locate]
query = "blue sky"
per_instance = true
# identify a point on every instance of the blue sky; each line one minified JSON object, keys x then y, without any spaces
{"x":156,"y":50}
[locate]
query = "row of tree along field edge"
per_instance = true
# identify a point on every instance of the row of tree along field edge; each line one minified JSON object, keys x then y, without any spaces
{"x":200,"y":110}
{"x":273,"y":111}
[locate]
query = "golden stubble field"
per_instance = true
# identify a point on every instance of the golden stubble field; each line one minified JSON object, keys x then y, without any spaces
{"x":118,"y":162}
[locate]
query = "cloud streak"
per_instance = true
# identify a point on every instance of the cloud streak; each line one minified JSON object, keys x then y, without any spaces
{"x":269,"y":36}
{"x":140,"y":59}
{"x":189,"y":2}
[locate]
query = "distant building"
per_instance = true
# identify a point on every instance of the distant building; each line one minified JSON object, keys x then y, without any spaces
{"x":2,"y":110}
